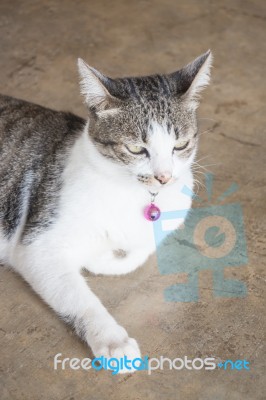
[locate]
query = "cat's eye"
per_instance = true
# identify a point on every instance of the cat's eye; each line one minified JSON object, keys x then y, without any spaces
{"x":136,"y":149}
{"x":181,"y":146}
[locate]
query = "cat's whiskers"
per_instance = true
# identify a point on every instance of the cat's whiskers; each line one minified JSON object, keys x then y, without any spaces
{"x":209,"y":130}
{"x":207,"y":119}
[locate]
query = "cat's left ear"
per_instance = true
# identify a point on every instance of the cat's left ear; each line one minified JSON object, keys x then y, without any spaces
{"x":96,"y":88}
{"x":193,"y":78}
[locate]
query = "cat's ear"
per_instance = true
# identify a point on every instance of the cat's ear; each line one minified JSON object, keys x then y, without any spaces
{"x":95,"y":87}
{"x":193,"y":78}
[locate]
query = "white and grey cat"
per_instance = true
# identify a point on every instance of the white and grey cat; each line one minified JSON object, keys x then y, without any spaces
{"x":72,"y":192}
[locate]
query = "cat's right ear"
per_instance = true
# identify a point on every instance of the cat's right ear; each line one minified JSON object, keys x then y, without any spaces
{"x":94,"y":87}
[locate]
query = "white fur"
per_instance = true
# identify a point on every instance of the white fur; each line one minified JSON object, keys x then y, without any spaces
{"x":101,"y":210}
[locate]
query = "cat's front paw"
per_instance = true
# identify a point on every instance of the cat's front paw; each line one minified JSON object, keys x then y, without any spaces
{"x":117,"y":344}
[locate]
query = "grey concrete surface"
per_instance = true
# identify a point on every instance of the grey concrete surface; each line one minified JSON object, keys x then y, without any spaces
{"x":39,"y":44}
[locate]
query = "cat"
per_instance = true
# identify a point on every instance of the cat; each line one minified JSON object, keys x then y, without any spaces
{"x":73,"y":191}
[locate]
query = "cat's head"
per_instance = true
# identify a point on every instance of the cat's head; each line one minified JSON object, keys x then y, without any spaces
{"x":146,"y":124}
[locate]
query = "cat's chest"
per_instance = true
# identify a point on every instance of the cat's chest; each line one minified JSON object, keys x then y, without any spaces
{"x":105,"y":209}
{"x":102,"y":214}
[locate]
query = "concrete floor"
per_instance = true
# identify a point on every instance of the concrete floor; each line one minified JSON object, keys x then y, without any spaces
{"x":39,"y":44}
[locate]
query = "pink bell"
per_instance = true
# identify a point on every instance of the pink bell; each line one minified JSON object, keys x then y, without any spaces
{"x":152,"y":212}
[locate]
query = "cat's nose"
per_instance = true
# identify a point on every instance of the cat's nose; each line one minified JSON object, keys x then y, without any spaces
{"x":164,"y":177}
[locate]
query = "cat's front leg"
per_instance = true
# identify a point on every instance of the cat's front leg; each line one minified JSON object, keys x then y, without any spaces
{"x":66,"y":291}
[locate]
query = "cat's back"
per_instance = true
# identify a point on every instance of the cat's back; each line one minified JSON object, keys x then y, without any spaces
{"x":34,"y":143}
{"x":29,"y":132}
{"x":23,"y":120}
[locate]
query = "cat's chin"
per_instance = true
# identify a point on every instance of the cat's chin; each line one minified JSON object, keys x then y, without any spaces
{"x":151,"y":188}
{"x":157,"y":188}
